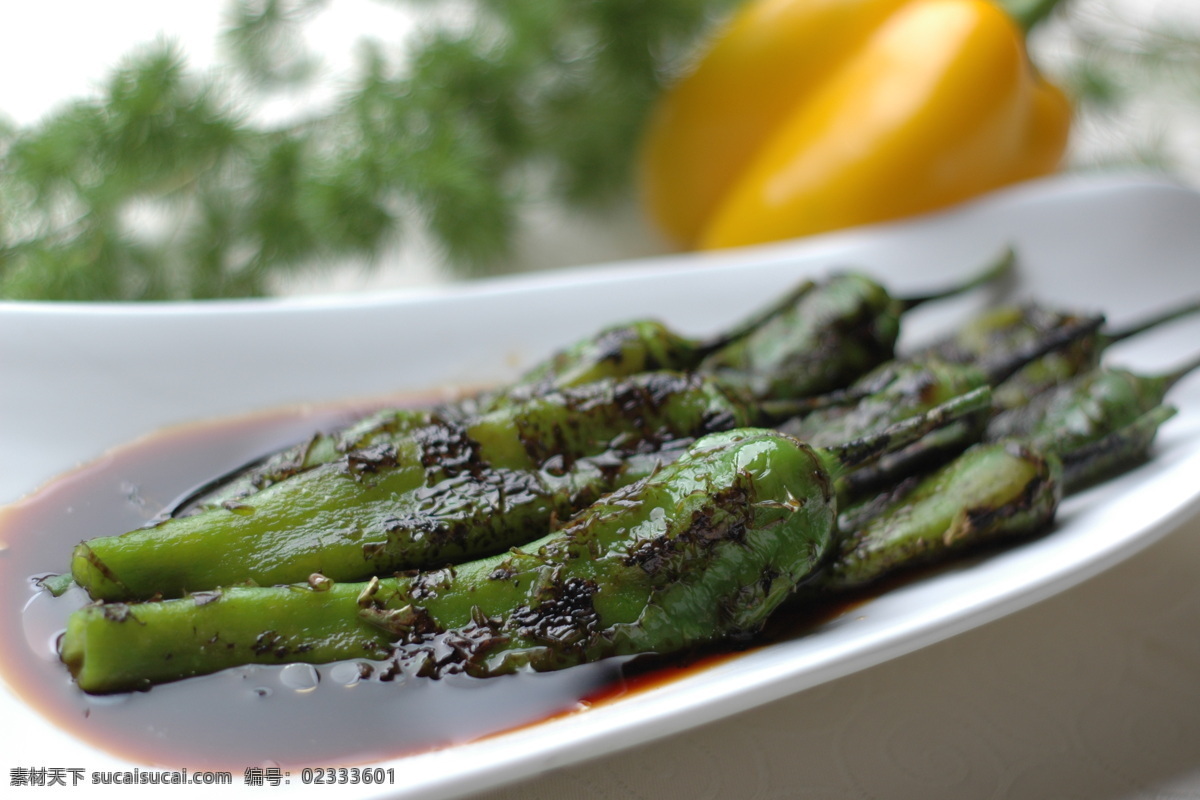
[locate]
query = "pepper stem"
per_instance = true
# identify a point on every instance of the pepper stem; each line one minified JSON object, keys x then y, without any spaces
{"x":861,"y":452}
{"x":997,"y":269}
{"x":999,"y":370}
{"x":1161,"y":318}
{"x":1173,"y":377}
{"x":753,"y":323}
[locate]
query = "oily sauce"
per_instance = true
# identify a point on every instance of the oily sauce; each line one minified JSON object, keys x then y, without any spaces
{"x":289,"y":715}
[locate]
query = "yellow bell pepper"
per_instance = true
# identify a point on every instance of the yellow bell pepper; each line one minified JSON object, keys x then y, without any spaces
{"x":811,"y":115}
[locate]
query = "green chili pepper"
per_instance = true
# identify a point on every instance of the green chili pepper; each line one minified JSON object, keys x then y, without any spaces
{"x":1005,"y":329}
{"x":147,"y":562}
{"x":1078,"y":414}
{"x":905,"y":387}
{"x":778,"y":346}
{"x":791,"y":329}
{"x":701,"y":551}
{"x":1095,"y":425}
{"x":991,"y":491}
{"x":826,"y":339}
{"x":378,"y":428}
{"x":614,"y":354}
{"x":1116,"y":452}
{"x":394,"y":505}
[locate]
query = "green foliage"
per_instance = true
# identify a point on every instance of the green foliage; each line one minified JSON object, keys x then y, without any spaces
{"x":1135,"y":82}
{"x":168,"y":185}
{"x":165,"y":187}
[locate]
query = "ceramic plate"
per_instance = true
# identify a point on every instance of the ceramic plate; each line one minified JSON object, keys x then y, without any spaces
{"x":81,"y":380}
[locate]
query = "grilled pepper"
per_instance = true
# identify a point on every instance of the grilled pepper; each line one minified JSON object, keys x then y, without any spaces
{"x":701,"y":551}
{"x":1099,"y":424}
{"x":996,"y":491}
{"x":811,"y":115}
{"x":817,"y":337}
{"x":393,"y":506}
{"x":993,"y":491}
{"x":1009,"y":328}
{"x":1078,"y":418}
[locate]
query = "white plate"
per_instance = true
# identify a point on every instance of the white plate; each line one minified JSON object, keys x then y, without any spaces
{"x":80,"y":379}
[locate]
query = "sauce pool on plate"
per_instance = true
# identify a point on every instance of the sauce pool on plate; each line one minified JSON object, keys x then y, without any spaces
{"x":295,"y":714}
{"x":289,"y":715}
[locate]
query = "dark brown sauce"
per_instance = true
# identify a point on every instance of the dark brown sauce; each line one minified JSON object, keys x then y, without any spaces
{"x":293,"y":715}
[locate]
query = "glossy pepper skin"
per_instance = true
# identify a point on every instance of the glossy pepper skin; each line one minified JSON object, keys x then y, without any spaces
{"x":705,"y":549}
{"x":991,"y":492}
{"x":995,"y":491}
{"x":1083,"y":420}
{"x":905,"y":387}
{"x":702,"y":550}
{"x":823,"y":342}
{"x":1094,"y":426}
{"x":998,"y":332}
{"x":892,"y":392}
{"x":1009,"y":328}
{"x":614,"y":353}
{"x":406,"y":503}
{"x":810,"y":116}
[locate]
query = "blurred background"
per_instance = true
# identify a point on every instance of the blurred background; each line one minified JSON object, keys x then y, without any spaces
{"x":178,"y":150}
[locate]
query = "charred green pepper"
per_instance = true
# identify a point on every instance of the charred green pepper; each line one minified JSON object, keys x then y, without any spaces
{"x":403,"y":503}
{"x":823,"y":341}
{"x":1076,"y":418}
{"x":990,"y":492}
{"x":789,"y":349}
{"x":701,"y":551}
{"x":1005,"y":329}
{"x":1008,"y":486}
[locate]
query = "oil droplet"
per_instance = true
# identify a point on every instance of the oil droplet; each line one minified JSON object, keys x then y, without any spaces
{"x":299,"y":677}
{"x":346,"y":673}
